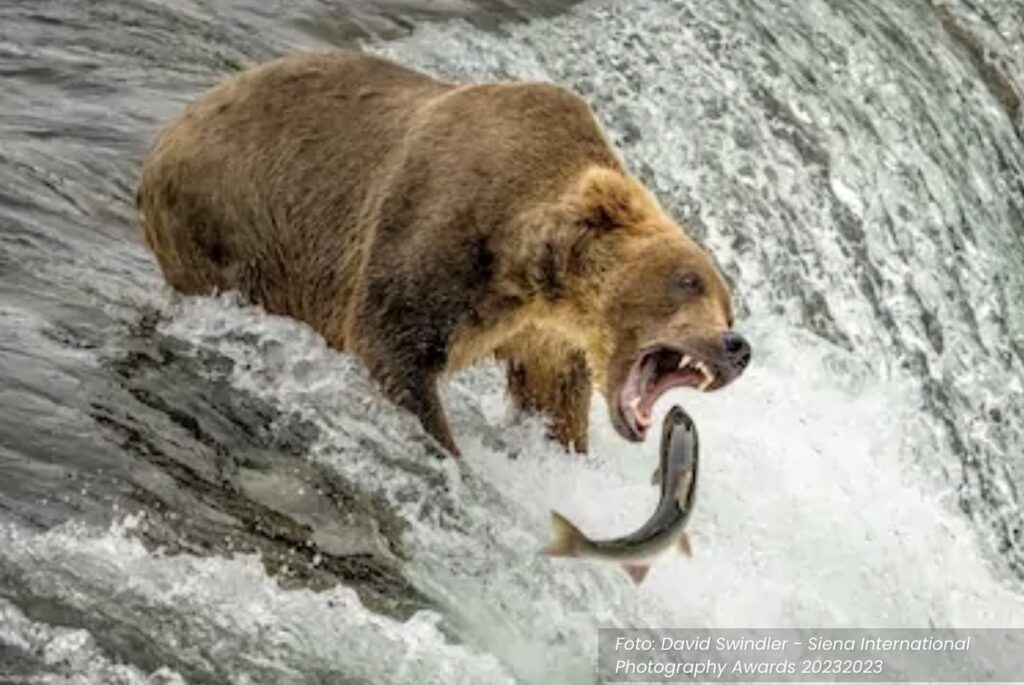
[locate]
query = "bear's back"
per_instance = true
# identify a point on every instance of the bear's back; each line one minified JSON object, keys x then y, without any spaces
{"x":273,"y":181}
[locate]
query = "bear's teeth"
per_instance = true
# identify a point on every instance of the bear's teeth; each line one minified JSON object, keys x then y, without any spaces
{"x":709,"y":377}
{"x":643,"y":421}
{"x":685,"y":361}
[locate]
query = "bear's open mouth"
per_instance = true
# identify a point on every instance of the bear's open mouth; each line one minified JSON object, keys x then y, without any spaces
{"x":656,"y":371}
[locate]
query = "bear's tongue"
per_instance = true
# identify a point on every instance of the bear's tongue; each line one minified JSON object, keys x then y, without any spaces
{"x":659,"y":384}
{"x":660,"y":372}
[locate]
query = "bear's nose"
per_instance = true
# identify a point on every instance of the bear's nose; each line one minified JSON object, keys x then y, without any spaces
{"x":736,"y":349}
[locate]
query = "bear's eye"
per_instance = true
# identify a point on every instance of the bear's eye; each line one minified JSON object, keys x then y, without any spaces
{"x":687,"y":285}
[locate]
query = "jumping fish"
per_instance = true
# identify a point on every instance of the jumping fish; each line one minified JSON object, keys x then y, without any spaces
{"x":677,"y":475}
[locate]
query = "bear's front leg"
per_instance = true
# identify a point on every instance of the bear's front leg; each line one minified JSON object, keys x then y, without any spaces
{"x":405,"y":355}
{"x":417,"y":393}
{"x":554,"y":380}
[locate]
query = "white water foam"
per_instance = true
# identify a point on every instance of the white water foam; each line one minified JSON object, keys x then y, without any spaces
{"x":811,"y":511}
{"x":71,"y":656}
{"x":224,"y":616}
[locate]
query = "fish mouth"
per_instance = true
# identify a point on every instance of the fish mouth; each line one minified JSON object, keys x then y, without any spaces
{"x":678,"y":417}
{"x":655,"y":371}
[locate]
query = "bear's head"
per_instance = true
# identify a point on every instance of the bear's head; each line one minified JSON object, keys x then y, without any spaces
{"x":657,"y":312}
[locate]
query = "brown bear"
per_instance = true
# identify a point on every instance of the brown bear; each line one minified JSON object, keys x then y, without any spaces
{"x":423,"y":225}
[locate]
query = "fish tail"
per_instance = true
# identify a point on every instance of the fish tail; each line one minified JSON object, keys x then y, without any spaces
{"x":566,"y":539}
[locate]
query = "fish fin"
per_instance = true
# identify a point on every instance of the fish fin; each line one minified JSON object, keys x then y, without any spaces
{"x":637,"y":572}
{"x":565,"y":537}
{"x":656,"y":476}
{"x":684,"y":545}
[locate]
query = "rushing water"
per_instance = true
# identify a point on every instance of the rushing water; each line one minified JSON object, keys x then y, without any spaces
{"x":192,"y":491}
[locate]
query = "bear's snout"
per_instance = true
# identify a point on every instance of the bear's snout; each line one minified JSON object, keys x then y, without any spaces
{"x":734,"y":353}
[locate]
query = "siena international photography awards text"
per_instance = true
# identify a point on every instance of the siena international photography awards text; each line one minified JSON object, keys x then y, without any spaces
{"x":809,"y":655}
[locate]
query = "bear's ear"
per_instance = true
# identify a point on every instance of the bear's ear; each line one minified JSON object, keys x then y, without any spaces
{"x":609,"y":199}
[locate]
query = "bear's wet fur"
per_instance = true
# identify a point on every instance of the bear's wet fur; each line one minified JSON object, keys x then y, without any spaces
{"x":423,"y":226}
